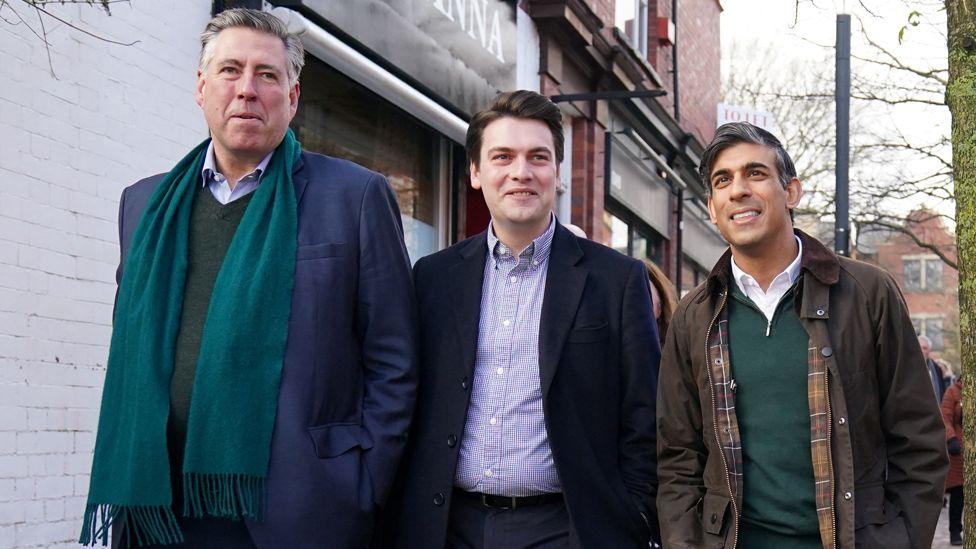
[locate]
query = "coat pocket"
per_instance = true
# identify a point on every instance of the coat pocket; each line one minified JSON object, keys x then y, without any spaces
{"x":714,"y":507}
{"x":338,"y":438}
{"x":589,"y":334}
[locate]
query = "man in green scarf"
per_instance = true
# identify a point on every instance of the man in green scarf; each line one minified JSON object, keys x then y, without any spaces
{"x":261,"y":375}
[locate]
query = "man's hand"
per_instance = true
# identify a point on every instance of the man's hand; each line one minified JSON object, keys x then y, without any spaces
{"x":954,"y":447}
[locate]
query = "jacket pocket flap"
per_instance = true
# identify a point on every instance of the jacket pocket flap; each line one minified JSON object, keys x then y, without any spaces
{"x":338,"y":438}
{"x":589,"y":334}
{"x":713,"y":512}
{"x":319,"y":251}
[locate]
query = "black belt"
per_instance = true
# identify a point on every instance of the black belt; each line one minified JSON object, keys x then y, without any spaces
{"x":506,"y":502}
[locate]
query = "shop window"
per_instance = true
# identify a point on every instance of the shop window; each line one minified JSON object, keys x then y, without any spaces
{"x":340,"y":118}
{"x":617,"y":231}
{"x":631,"y":18}
{"x":922,"y":274}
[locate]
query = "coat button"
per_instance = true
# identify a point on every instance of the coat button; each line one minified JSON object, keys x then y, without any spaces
{"x":841,"y":421}
{"x":848,"y":496}
{"x":451,"y":441}
{"x":826,"y":352}
{"x":714,"y":518}
{"x":438,"y":499}
{"x":820,"y":312}
{"x":464,"y":384}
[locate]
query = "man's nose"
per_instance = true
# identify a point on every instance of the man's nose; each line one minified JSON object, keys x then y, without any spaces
{"x":245,"y":87}
{"x":521,"y":169}
{"x":740,"y":186}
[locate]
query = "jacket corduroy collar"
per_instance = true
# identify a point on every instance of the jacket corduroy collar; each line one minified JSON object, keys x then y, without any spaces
{"x":817,"y":259}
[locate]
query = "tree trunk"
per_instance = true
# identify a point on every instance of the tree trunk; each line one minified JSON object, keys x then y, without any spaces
{"x":961,"y":97}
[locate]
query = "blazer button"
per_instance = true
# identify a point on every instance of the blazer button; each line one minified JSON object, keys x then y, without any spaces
{"x":438,"y":499}
{"x":451,"y":441}
{"x":848,"y":496}
{"x":826,"y":352}
{"x":464,"y":384}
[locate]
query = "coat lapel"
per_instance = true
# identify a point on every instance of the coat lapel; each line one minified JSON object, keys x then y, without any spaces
{"x":564,"y":289}
{"x":299,"y":178}
{"x":466,"y":279}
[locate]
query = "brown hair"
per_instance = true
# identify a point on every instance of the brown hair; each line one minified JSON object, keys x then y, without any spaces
{"x":669,"y":297}
{"x":516,"y":104}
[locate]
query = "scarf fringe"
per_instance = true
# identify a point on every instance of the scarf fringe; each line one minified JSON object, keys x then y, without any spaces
{"x":144,"y":525}
{"x":225,"y":495}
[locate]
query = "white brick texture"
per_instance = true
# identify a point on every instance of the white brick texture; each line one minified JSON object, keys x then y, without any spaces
{"x":69,"y":144}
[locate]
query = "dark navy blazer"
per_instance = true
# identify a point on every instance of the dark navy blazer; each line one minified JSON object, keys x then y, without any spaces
{"x":349,"y":380}
{"x":598,"y":362}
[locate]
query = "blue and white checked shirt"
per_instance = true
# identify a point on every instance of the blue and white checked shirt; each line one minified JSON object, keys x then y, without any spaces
{"x":220,"y":187}
{"x":505,"y":449}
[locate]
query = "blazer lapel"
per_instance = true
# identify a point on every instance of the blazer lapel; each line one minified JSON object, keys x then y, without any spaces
{"x":299,"y":178}
{"x":564,"y":289}
{"x":466,"y":279}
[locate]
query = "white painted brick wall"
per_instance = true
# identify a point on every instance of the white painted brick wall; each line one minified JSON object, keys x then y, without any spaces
{"x":68,"y":145}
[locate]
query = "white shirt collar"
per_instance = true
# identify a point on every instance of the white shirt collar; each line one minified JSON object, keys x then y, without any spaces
{"x":743,"y":279}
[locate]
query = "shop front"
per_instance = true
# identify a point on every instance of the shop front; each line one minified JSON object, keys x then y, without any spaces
{"x":390,"y":85}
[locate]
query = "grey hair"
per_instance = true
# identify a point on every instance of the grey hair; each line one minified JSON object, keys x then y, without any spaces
{"x":926,"y":339}
{"x":734,"y":133}
{"x":260,"y":21}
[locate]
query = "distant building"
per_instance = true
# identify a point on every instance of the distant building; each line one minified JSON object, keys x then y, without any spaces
{"x":930,"y":286}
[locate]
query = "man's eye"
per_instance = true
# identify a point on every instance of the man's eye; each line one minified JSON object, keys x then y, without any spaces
{"x":269,"y":76}
{"x":500,"y":157}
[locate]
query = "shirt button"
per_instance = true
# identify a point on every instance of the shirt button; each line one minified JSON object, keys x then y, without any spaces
{"x":488,"y":473}
{"x":500,"y":371}
{"x":848,"y":496}
{"x":841,"y":421}
{"x":493,"y":421}
{"x":451,"y":441}
{"x":513,"y":279}
{"x":506,"y":322}
{"x":438,"y":499}
{"x":535,"y":262}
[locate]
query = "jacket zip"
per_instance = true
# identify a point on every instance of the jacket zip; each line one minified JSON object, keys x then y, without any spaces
{"x":721,"y":452}
{"x":830,"y":460}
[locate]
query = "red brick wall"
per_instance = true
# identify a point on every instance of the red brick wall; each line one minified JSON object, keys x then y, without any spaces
{"x":699,"y":58}
{"x":944,"y":301}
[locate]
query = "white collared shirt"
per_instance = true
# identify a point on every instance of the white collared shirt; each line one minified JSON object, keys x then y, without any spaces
{"x":220,"y":187}
{"x":768,"y":301}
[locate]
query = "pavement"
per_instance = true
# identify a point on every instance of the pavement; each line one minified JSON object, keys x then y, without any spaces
{"x":941,"y":539}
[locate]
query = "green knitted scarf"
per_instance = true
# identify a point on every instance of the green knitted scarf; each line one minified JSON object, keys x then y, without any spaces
{"x":235,"y":391}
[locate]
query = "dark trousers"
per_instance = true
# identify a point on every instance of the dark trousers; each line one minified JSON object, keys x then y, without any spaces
{"x":955,"y":511}
{"x":205,"y":533}
{"x":473,"y":526}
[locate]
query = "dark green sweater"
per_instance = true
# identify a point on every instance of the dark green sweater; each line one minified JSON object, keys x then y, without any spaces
{"x":212,"y":227}
{"x":771,"y":404}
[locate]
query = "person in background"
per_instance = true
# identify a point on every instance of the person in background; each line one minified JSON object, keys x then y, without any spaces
{"x":664,"y":296}
{"x":952,"y":417}
{"x":936,"y":376}
{"x":948,"y":377}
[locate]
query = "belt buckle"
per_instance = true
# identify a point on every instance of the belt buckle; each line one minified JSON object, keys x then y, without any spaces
{"x":484,"y":501}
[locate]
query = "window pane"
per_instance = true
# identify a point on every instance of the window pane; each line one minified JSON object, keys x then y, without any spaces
{"x":639,"y":245}
{"x":625,"y":18}
{"x":912,"y":273}
{"x":933,"y":329}
{"x":933,"y":274}
{"x":340,"y":118}
{"x":617,"y":231}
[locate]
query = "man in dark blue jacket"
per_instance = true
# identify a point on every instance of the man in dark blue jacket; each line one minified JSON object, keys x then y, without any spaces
{"x":261,"y":376}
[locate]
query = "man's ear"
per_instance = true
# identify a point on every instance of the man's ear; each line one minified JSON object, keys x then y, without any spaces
{"x":293,"y":94}
{"x":711,"y":211}
{"x":198,"y":94}
{"x":475,"y":183}
{"x":794,"y":192}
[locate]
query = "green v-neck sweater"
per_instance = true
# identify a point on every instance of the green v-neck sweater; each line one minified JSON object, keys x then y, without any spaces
{"x":212,"y":227}
{"x":771,"y":405}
